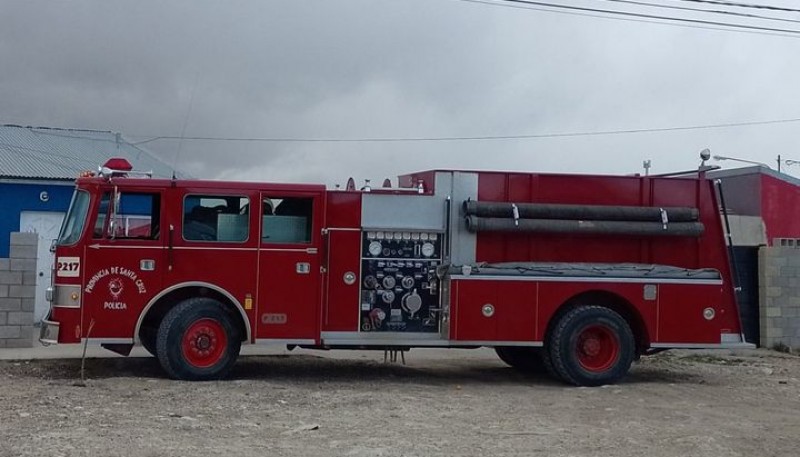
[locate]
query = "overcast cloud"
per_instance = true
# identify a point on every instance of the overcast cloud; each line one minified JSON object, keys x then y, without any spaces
{"x":394,"y":68}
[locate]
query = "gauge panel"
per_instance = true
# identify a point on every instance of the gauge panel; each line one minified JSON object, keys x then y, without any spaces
{"x":400,"y":290}
{"x":402,"y":245}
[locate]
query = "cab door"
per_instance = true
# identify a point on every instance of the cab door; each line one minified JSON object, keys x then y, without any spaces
{"x":290,"y":278}
{"x":124,"y":262}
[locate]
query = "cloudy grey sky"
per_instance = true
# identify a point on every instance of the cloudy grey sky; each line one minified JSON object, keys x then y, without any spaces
{"x":397,"y":68}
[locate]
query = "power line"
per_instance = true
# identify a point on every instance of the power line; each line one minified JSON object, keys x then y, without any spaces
{"x":38,"y":131}
{"x":744,"y":5}
{"x":466,"y":138}
{"x":652,"y":16}
{"x":123,"y":139}
{"x":701,"y":10}
{"x":624,"y":19}
{"x":639,"y":17}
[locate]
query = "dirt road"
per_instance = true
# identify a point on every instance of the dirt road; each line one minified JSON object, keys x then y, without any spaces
{"x":441,"y":403}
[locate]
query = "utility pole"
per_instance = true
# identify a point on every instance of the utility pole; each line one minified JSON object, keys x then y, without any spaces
{"x":779,"y":163}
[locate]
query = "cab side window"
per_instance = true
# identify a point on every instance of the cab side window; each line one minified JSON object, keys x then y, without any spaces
{"x":216,"y":218}
{"x":287,"y":220}
{"x":102,"y":216}
{"x":133,"y":216}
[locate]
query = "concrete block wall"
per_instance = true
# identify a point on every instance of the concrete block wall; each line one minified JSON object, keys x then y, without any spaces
{"x":779,"y":296}
{"x":18,"y":291}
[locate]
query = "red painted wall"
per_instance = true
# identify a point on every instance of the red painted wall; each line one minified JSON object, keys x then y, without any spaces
{"x":780,"y":208}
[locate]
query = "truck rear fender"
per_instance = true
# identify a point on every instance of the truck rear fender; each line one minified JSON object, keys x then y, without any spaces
{"x":609,"y":300}
{"x":160,"y":304}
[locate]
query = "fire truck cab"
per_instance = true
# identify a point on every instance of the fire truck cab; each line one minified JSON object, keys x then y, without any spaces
{"x":576,"y":274}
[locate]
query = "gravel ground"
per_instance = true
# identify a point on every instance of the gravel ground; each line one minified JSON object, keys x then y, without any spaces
{"x":443,"y":402}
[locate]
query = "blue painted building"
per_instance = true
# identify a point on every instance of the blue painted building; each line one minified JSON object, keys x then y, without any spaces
{"x":38,"y":167}
{"x":18,"y":197}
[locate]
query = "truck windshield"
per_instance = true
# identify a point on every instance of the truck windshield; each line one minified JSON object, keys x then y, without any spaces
{"x":75,"y":220}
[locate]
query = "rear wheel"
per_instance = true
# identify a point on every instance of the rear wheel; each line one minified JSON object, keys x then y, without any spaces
{"x":591,"y":346}
{"x":198,"y":340}
{"x":524,"y":359}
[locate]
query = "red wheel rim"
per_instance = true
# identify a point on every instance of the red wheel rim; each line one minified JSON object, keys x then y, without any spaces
{"x":204,"y":343}
{"x":597,"y":348}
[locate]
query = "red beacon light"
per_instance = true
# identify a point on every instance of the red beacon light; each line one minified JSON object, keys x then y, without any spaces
{"x":118,"y":164}
{"x":120,"y":167}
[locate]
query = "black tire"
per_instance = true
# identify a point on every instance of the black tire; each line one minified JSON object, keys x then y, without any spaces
{"x":523,"y":359}
{"x":547,"y":361}
{"x":591,"y":346}
{"x":198,"y":341}
{"x":148,"y":335}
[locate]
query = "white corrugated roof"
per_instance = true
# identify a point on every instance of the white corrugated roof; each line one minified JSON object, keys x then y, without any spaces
{"x":53,"y":153}
{"x":754,"y":170}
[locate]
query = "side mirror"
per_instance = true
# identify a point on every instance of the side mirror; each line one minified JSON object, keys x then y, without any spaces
{"x":112,"y":222}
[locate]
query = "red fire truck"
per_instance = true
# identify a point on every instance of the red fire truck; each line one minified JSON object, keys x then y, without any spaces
{"x":576,"y":273}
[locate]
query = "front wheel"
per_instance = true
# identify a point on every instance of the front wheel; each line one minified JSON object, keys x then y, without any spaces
{"x":591,"y":346}
{"x":197,"y":341}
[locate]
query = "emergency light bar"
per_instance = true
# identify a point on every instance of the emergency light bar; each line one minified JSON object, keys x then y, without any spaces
{"x":119,"y":167}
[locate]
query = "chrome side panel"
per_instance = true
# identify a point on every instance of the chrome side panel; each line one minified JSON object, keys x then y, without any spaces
{"x":459,"y":186}
{"x":286,"y":342}
{"x":62,"y":296}
{"x":591,"y":279}
{"x":409,"y":340}
{"x":726,"y":341}
{"x":404,"y":212}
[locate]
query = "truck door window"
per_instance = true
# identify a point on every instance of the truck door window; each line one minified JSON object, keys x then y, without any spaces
{"x":137,"y":216}
{"x":216,"y":218}
{"x":287,"y":220}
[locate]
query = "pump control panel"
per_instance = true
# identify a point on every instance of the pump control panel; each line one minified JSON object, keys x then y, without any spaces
{"x":399,"y":287}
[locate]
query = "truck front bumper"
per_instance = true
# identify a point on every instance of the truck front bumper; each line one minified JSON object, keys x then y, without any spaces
{"x":49,"y":332}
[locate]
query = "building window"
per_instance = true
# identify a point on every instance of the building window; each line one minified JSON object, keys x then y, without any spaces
{"x":787,"y":242}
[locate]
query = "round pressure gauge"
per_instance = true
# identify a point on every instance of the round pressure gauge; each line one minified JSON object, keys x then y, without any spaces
{"x":407,"y":282}
{"x":388,"y":296}
{"x":389,"y":282}
{"x":370,"y":282}
{"x":375,"y":248}
{"x":428,"y":249}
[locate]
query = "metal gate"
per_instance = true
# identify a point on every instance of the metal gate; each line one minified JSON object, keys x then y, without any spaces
{"x":46,"y":224}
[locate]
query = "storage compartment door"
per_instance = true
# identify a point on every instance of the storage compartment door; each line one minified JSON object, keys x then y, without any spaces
{"x":493,"y":310}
